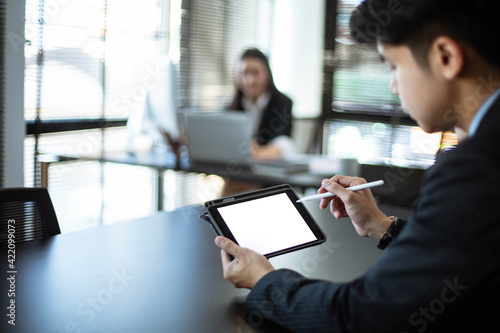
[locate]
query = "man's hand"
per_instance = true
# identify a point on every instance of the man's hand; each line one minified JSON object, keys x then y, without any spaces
{"x":248,"y":266}
{"x":360,"y":206}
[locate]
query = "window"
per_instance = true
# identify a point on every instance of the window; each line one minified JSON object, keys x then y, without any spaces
{"x":361,"y":80}
{"x":380,"y":143}
{"x":365,"y":120}
{"x":86,"y":62}
{"x":214,"y":35}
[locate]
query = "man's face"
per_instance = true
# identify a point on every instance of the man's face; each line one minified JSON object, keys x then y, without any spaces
{"x":422,"y":93}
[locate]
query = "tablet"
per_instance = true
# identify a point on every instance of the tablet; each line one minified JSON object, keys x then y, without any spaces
{"x":268,"y":221}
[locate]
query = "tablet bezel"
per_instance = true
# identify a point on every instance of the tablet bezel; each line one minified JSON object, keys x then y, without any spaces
{"x":222,"y":229}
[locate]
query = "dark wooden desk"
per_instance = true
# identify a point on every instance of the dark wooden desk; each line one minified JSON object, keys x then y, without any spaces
{"x":157,"y":274}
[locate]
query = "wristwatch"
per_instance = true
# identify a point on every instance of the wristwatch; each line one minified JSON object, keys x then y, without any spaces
{"x":389,"y":235}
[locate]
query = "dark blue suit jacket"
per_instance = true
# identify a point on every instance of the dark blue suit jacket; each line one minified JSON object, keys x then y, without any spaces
{"x":441,"y":273}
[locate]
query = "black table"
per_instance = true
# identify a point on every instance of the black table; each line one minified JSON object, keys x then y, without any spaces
{"x":157,"y":274}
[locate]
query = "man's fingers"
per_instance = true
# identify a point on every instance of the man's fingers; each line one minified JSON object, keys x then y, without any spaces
{"x":324,"y":201}
{"x":347,"y":181}
{"x":227,"y":245}
{"x":329,"y":185}
{"x":335,"y":209}
{"x":226,"y":260}
{"x":338,"y":208}
{"x":338,"y":185}
{"x":333,"y":187}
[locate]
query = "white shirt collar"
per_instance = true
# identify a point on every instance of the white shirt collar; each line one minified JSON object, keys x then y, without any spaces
{"x":259,"y":104}
{"x":255,"y":110}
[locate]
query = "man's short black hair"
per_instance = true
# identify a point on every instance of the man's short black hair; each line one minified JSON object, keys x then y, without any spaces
{"x":417,"y":23}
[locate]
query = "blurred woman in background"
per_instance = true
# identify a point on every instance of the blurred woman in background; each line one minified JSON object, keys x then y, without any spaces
{"x":269,"y":110}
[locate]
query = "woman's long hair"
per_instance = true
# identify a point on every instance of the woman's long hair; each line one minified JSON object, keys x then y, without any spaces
{"x":256,"y":54}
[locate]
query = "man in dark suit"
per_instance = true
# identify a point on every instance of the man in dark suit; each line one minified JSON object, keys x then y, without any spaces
{"x":440,"y":271}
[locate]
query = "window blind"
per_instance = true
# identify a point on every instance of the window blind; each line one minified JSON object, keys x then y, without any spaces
{"x":86,"y":62}
{"x":361,"y":80}
{"x":82,"y":65}
{"x":214,"y":35}
{"x":86,"y":53}
{"x":367,"y":121}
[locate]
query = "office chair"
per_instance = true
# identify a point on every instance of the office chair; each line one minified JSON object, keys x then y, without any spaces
{"x":27,"y":213}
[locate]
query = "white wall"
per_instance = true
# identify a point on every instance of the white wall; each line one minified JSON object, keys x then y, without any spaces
{"x":14,"y":97}
{"x":297,"y":53}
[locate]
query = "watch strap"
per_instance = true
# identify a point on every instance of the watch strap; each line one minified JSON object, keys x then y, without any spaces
{"x":393,"y":230}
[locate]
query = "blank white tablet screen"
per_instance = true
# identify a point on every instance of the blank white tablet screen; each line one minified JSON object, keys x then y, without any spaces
{"x":267,"y":224}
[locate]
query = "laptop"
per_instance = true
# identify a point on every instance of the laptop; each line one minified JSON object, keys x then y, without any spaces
{"x":218,"y":137}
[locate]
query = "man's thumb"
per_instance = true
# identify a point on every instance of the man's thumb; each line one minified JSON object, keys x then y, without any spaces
{"x":226,"y":244}
{"x":333,"y":187}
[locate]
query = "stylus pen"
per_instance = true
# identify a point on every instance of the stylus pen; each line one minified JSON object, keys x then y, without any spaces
{"x":352,"y":188}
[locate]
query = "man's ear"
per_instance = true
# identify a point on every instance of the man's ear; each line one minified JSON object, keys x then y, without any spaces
{"x":448,"y":57}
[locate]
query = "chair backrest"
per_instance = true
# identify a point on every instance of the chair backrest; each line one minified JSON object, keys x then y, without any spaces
{"x":26,"y":213}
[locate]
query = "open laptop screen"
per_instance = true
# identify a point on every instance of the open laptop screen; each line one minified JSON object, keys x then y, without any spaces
{"x":218,"y":137}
